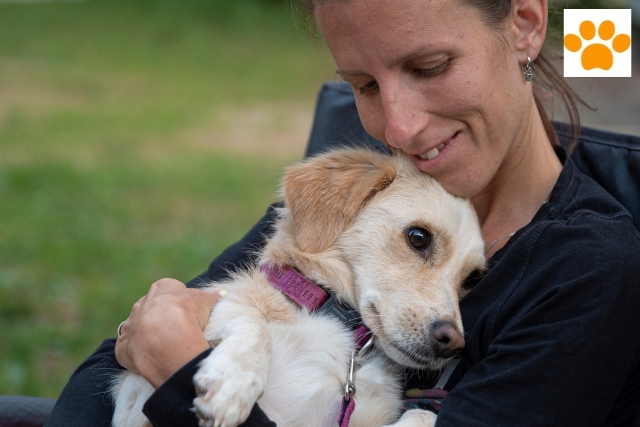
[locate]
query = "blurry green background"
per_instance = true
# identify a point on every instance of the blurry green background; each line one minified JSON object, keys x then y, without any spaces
{"x":139,"y":138}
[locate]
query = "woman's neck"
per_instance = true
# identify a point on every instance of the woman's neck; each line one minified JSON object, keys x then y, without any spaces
{"x":520,"y":187}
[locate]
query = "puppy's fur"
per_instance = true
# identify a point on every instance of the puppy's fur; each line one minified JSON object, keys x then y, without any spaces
{"x":345,"y":227}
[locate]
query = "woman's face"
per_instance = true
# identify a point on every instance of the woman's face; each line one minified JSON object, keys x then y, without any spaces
{"x":433,"y":80}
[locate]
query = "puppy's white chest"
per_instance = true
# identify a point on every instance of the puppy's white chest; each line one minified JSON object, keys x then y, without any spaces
{"x":308,"y":370}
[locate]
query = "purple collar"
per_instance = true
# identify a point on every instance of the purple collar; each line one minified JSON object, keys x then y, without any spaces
{"x":312,"y":297}
{"x":296,"y":286}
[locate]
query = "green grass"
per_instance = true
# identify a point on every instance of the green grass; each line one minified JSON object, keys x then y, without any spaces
{"x":103,"y":186}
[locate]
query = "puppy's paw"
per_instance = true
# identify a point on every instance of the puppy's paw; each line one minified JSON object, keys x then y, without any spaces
{"x":416,"y":418}
{"x":226,"y":393}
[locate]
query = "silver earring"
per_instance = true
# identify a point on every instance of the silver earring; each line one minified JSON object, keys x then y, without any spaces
{"x":527,"y":70}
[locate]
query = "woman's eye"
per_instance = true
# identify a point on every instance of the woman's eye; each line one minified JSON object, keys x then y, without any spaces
{"x":369,"y":87}
{"x":429,"y":72}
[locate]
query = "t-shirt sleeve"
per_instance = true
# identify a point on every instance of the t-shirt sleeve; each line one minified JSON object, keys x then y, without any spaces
{"x":85,"y":400}
{"x":561,"y":347}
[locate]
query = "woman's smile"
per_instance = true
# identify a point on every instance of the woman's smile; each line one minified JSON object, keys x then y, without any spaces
{"x":432,"y":158}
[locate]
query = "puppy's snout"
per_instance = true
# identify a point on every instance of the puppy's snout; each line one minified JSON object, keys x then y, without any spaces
{"x":448,"y":341}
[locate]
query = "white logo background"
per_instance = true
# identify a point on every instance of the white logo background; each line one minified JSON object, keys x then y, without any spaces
{"x":621,"y":18}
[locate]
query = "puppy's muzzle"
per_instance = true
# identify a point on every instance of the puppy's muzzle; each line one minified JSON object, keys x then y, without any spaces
{"x":447,"y":340}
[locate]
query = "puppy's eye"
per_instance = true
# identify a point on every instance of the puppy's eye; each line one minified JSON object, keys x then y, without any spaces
{"x":472,"y":279}
{"x":419,"y":238}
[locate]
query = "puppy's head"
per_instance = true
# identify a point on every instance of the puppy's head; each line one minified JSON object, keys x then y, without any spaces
{"x":409,"y":245}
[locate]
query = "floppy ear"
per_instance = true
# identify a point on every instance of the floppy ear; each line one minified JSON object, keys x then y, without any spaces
{"x":325,"y":193}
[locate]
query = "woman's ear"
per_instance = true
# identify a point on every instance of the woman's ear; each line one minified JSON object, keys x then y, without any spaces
{"x":530,"y":27}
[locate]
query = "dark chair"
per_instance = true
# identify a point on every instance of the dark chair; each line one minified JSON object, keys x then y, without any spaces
{"x":611,"y":159}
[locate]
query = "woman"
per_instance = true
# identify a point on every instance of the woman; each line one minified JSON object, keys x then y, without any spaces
{"x":553,"y":327}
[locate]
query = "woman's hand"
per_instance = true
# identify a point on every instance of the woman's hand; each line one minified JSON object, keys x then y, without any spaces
{"x":164,"y":330}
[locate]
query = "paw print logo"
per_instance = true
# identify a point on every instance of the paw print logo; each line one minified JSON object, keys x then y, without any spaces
{"x":602,"y":46}
{"x":597,"y":55}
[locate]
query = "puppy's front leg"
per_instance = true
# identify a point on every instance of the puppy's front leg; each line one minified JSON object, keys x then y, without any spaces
{"x":232,"y":378}
{"x":416,"y":418}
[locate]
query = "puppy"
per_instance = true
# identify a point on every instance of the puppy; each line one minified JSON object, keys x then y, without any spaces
{"x":380,"y":236}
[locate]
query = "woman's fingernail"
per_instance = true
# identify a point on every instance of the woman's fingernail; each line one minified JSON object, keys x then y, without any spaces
{"x":222,"y":293}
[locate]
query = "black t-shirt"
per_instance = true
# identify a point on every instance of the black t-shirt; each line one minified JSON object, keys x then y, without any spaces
{"x":552,"y":330}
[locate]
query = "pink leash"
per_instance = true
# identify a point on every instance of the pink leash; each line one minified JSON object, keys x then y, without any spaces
{"x":348,"y":406}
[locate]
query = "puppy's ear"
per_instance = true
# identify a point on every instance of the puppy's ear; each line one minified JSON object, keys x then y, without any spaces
{"x":325,"y":193}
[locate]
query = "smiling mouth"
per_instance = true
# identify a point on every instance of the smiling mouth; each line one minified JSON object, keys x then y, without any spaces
{"x":433,"y":153}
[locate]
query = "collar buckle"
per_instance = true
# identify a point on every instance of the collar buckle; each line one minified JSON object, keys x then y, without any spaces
{"x":343,"y":312}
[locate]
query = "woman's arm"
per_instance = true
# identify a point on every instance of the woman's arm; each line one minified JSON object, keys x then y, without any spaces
{"x":86,"y":399}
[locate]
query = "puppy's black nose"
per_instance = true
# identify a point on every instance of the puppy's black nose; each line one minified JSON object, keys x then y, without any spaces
{"x":448,"y":341}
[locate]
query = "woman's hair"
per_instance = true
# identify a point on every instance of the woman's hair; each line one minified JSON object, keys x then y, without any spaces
{"x":547,"y":82}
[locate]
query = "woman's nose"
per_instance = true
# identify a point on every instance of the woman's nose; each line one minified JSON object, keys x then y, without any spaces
{"x":403,"y":116}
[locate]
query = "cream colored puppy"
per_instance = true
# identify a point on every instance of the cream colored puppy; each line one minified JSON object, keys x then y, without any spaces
{"x":388,"y":241}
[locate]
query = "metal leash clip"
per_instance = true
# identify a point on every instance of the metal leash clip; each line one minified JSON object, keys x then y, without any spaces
{"x":350,"y":386}
{"x":365,"y":348}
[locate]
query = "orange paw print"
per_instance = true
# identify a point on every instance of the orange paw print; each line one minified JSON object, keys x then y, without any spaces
{"x":597,"y":55}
